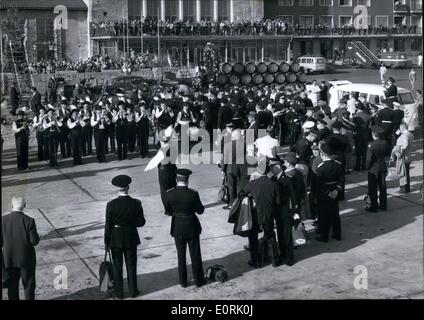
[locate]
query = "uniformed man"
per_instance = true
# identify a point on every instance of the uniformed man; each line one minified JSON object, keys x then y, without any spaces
{"x":378,"y":150}
{"x":167,"y":170}
{"x":74,"y":125}
{"x":362,"y":120}
{"x":121,"y":128}
{"x":328,"y":176}
{"x":391,"y":90}
{"x":123,"y":216}
{"x":182,"y":204}
{"x":21,"y":130}
{"x":293,"y":122}
{"x":37,"y":124}
{"x":284,"y":216}
{"x":52,"y":132}
{"x":142,"y":127}
{"x":99,"y":123}
{"x":387,"y":117}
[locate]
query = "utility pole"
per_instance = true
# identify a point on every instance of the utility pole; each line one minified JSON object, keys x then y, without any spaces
{"x":141,"y":28}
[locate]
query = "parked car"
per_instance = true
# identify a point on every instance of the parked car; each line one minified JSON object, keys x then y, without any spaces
{"x":395,"y":60}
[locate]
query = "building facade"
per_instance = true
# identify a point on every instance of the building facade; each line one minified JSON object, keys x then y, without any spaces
{"x":340,"y":13}
{"x":34,"y":20}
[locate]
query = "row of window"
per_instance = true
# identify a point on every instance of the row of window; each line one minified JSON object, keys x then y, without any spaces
{"x":346,"y":20}
{"x":172,"y":9}
{"x":416,"y":5}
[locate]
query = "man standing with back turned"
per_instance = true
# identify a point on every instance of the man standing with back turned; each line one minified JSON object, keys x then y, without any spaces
{"x":123,"y":216}
{"x":18,"y":238}
{"x":183,"y":203}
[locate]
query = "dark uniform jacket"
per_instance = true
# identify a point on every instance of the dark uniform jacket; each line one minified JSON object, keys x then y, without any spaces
{"x":18,"y":238}
{"x":328,"y":176}
{"x":265,"y":119}
{"x":297,"y":189}
{"x":225,"y":115}
{"x":387,"y":117}
{"x":183,"y":203}
{"x":265,"y":192}
{"x":377,"y":151}
{"x":123,"y":216}
{"x":286,"y":192}
{"x":362,"y":125}
{"x":391,"y":91}
{"x":36,"y":102}
{"x":304,"y":150}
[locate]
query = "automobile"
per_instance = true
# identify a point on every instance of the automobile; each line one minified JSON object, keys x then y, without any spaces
{"x":312,"y":63}
{"x":374,"y":94}
{"x":395,"y":60}
{"x":126,"y":84}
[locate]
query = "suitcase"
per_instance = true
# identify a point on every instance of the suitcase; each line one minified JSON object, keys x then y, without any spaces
{"x":106,"y":273}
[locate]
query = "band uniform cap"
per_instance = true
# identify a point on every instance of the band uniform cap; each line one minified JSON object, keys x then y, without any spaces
{"x":290,"y":157}
{"x":270,"y":129}
{"x":184,"y":172}
{"x":314,"y":132}
{"x":377,"y":130}
{"x":391,"y":79}
{"x":322,"y":121}
{"x":121,"y":181}
{"x":396,"y":104}
{"x":343,"y":101}
{"x":308,"y":125}
{"x":274,"y":162}
{"x":325,"y":148}
{"x":337,"y":125}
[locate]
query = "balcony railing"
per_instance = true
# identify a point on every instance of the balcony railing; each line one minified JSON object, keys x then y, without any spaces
{"x":399,"y":8}
{"x":416,"y":7}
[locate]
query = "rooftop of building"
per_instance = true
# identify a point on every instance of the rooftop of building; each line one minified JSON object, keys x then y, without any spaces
{"x":43,"y":4}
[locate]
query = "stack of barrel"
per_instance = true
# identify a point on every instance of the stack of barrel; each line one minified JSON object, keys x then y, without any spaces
{"x":260,"y":73}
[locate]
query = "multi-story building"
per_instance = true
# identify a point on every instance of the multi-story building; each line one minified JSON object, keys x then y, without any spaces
{"x":339,"y":13}
{"x":35,"y":20}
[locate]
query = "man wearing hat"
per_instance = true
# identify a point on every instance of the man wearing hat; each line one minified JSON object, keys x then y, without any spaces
{"x":377,"y":151}
{"x":225,"y":114}
{"x":391,"y":90}
{"x":387,"y":116}
{"x":35,"y":103}
{"x":121,"y":130}
{"x":284,"y":215}
{"x":182,"y":203}
{"x":21,"y":130}
{"x":52,"y":131}
{"x":264,"y":116}
{"x":167,"y":170}
{"x":399,"y":115}
{"x":64,"y":142}
{"x":265,"y":192}
{"x":99,"y":123}
{"x":323,"y":131}
{"x":293,"y":123}
{"x":14,"y":98}
{"x":362,"y":123}
{"x":327,"y":186}
{"x":74,"y":126}
{"x":304,"y":144}
{"x":124,"y":215}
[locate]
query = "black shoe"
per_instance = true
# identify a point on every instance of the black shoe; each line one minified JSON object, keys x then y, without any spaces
{"x":256,"y":265}
{"x":383,"y":209}
{"x":201,"y":283}
{"x":290,"y":262}
{"x":246,"y":247}
{"x":321,"y":239}
{"x":337,"y":238}
{"x":135,"y":294}
{"x":183,"y":285}
{"x":371,"y":209}
{"x":277,"y":263}
{"x":227,"y":207}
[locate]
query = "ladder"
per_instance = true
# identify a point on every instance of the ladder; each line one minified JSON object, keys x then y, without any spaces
{"x":358,"y":50}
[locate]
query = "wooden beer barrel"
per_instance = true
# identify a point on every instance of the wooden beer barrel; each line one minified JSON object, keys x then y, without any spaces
{"x":284,"y":67}
{"x":273,"y":67}
{"x":226,"y":68}
{"x":257,"y":78}
{"x":246,"y":78}
{"x":262,"y":67}
{"x":280,"y":78}
{"x":222,"y":79}
{"x":250,"y":68}
{"x":269,"y":78}
{"x":295,"y":67}
{"x":291,"y":77}
{"x":234,"y":79}
{"x":301,"y":77}
{"x":238,"y":68}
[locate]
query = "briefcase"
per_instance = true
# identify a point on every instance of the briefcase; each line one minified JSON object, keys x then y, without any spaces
{"x":392,"y":174}
{"x":224,"y":194}
{"x":300,"y":236}
{"x":106,"y":273}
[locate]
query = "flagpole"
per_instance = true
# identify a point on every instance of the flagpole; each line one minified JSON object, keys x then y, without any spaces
{"x":26,"y":51}
{"x":159,"y":57}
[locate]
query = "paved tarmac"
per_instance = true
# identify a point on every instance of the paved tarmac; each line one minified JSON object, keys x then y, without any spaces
{"x":69,"y":203}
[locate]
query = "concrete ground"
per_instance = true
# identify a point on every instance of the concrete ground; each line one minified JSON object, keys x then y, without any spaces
{"x":69,"y":203}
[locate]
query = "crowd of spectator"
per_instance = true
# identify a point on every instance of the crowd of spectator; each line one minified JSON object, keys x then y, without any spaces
{"x":150,"y":27}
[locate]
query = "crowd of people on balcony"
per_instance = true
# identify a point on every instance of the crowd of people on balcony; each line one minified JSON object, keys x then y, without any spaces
{"x":150,"y":27}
